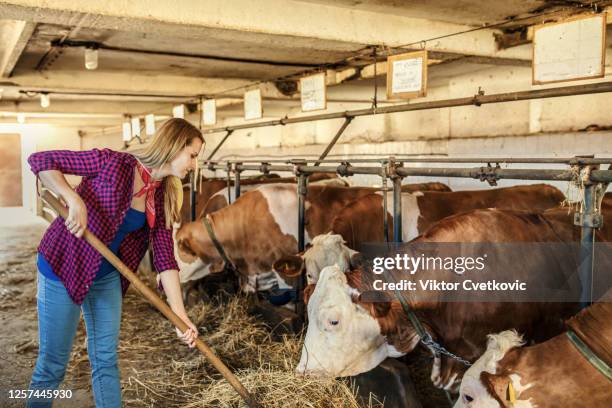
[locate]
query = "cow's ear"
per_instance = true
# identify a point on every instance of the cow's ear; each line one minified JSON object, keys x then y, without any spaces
{"x":289,"y":266}
{"x":499,"y":387}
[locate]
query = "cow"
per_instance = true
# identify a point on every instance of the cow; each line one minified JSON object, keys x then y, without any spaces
{"x":347,"y":335}
{"x":551,"y":374}
{"x":362,"y":221}
{"x":211,"y":196}
{"x":260,"y":227}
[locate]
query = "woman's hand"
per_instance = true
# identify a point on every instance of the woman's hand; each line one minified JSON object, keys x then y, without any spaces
{"x":77,"y":215}
{"x":190,"y":335}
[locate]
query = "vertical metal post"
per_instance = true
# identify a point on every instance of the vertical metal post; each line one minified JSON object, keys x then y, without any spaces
{"x":302,"y":190}
{"x":228,"y":169}
{"x":397,"y":200}
{"x":237,"y":180}
{"x":385,"y":201}
{"x":588,"y":219}
{"x":192,"y":196}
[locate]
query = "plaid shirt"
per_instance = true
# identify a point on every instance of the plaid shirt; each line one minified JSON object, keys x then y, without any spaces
{"x":107,"y":189}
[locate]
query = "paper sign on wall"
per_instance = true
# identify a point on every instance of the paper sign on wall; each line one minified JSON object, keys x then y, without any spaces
{"x":313,"y":92}
{"x":252,"y":104}
{"x":569,"y":50}
{"x":209,"y":112}
{"x":407,"y":75}
{"x":178,"y":111}
{"x":150,"y":124}
{"x":136,"y":127}
{"x":127,"y":131}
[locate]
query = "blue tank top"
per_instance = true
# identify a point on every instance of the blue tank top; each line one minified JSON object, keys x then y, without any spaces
{"x":132,"y":221}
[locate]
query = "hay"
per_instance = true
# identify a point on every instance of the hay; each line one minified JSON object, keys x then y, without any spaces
{"x":163,"y":372}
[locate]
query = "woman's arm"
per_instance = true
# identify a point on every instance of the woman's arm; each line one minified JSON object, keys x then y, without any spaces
{"x":55,"y":181}
{"x":86,"y":163}
{"x":50,"y":166}
{"x":172,"y":288}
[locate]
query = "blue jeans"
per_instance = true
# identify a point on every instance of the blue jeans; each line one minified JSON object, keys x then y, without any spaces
{"x":58,"y":318}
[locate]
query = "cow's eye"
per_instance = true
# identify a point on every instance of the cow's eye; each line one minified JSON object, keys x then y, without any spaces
{"x":334,"y":322}
{"x":468,"y":398}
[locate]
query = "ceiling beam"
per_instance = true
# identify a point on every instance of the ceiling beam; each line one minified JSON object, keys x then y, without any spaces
{"x":14,"y":36}
{"x":333,"y":27}
{"x":125,"y":83}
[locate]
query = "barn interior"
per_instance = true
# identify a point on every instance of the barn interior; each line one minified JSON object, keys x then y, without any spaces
{"x":148,"y":57}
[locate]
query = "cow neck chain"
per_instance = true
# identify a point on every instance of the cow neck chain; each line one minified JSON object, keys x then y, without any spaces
{"x":587,"y":353}
{"x":424,"y":337}
{"x":217,"y":244}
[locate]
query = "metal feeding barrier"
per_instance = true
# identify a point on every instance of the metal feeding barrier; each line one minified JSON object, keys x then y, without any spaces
{"x":584,"y":171}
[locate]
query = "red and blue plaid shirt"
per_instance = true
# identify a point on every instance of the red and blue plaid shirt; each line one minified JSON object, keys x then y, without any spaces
{"x":107,"y":189}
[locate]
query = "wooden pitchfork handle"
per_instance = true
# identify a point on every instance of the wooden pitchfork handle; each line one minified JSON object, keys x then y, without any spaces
{"x":152,"y":297}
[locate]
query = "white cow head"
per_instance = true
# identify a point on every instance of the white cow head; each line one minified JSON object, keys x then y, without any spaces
{"x":342,"y":339}
{"x":325,"y":250}
{"x":472,"y":392}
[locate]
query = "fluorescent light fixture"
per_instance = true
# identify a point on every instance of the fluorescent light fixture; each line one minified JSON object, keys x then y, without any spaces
{"x":45,"y":100}
{"x":136,"y":126}
{"x":91,"y":58}
{"x":178,"y":111}
{"x":150,"y":124}
{"x":127,"y":131}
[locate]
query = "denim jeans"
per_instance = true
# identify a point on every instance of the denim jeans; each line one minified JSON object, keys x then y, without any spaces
{"x":58,"y":318}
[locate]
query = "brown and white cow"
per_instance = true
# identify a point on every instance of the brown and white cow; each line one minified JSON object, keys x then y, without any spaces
{"x":275,"y":214}
{"x":261,"y":226}
{"x":212,"y":196}
{"x":546,"y":375}
{"x":362,"y":221}
{"x":347,"y":336}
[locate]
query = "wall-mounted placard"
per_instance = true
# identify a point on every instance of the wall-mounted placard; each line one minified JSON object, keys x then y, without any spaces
{"x":209,"y":112}
{"x":569,"y":50}
{"x":126,"y":131}
{"x":313,"y":92}
{"x":178,"y":111}
{"x":150,"y":124}
{"x":407,"y":75}
{"x":135,"y":127}
{"x":252,"y":104}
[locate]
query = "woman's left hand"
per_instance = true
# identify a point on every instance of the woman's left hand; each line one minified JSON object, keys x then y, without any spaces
{"x":190,"y":335}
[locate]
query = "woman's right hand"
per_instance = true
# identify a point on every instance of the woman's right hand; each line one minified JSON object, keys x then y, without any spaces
{"x":77,"y":215}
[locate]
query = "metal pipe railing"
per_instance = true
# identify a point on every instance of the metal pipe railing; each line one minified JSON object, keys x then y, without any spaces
{"x":476,"y":100}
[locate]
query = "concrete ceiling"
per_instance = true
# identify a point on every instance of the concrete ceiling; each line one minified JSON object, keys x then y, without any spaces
{"x":470,"y":12}
{"x":153,"y":52}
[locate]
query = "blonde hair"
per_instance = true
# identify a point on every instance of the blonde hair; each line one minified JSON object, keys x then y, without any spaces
{"x":170,"y":139}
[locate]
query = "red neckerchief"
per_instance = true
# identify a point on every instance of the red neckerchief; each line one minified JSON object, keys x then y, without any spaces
{"x":148,"y":189}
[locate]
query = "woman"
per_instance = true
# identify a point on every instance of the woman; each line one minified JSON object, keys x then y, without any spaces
{"x":128,"y":201}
